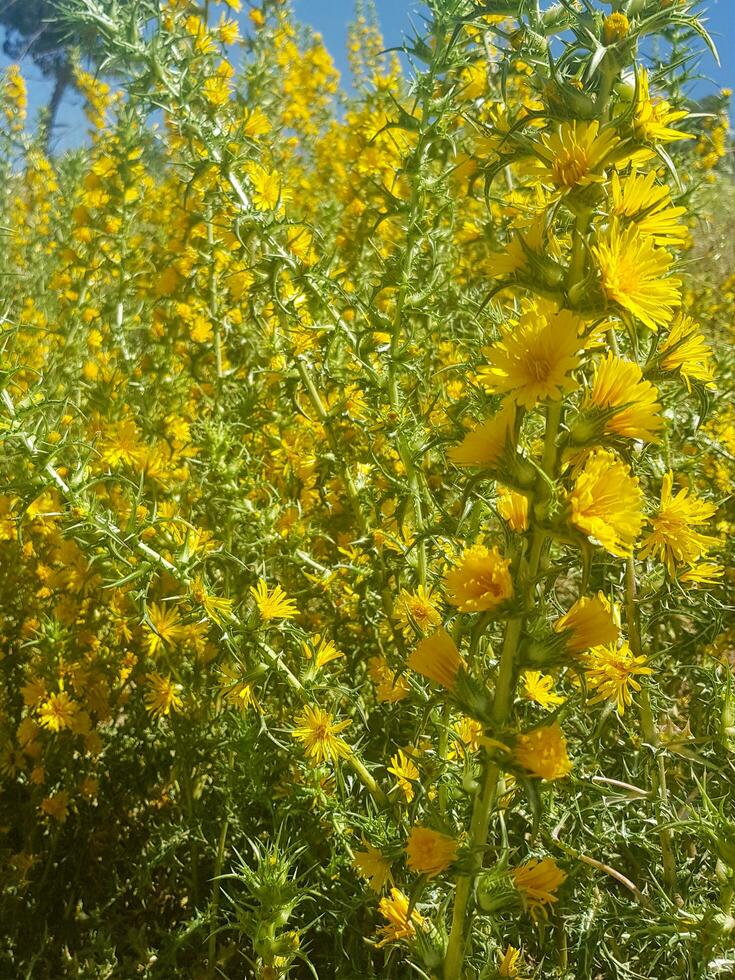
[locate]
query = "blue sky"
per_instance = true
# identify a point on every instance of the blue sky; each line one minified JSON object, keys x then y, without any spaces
{"x":331,"y":17}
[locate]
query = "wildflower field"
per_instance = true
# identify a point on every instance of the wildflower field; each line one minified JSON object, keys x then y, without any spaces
{"x":366,"y":530}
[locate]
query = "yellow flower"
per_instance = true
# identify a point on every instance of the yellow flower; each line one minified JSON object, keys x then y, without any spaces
{"x":539,"y":687}
{"x":620,"y":383}
{"x":469,"y":731}
{"x":399,"y":925}
{"x":640,"y":199}
{"x":320,"y":735}
{"x":161,"y":696}
{"x":686,"y":351}
{"x":373,"y":866}
{"x":513,"y":508}
{"x":702,"y":573}
{"x":406,"y":773}
{"x":164,"y":627}
{"x":508,"y":966}
{"x":437,"y":658}
{"x":480,"y":581}
{"x":652,"y":122}
{"x":606,"y":503}
{"x":484,"y":445}
{"x":218,"y":86}
{"x":417,"y":609}
{"x":268,"y":191}
{"x":390,"y":687}
{"x":633,"y":273}
{"x":574,"y":155}
{"x":611,"y":672}
{"x":615,"y":28}
{"x":56,"y":806}
{"x":534,"y":359}
{"x":273,"y":605}
{"x":543,"y":752}
{"x":320,"y":651}
{"x":538,"y":881}
{"x":218,"y":609}
{"x":674,"y":538}
{"x":429,"y":852}
{"x":588,"y":623}
{"x":58,"y":712}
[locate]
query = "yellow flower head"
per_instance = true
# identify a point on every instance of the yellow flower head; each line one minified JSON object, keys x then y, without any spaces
{"x":620,"y":383}
{"x":164,"y":628}
{"x":373,"y":866}
{"x":513,"y":508}
{"x":638,"y":198}
{"x":537,"y":881}
{"x":606,"y":503}
{"x":429,"y":852}
{"x":536,"y":356}
{"x":437,"y":658}
{"x":480,"y":581}
{"x":485,"y":444}
{"x":508,"y":966}
{"x":543,"y":752}
{"x":574,"y":155}
{"x":611,"y":673}
{"x":615,"y":28}
{"x":674,"y":538}
{"x":634,"y":274}
{"x":395,"y":911}
{"x":539,"y":687}
{"x":320,"y":651}
{"x":686,"y":351}
{"x":273,"y":605}
{"x":416,"y":609}
{"x":402,"y":767}
{"x":389,"y":686}
{"x":58,"y":712}
{"x":162,"y":695}
{"x":653,"y":118}
{"x":588,"y":623}
{"x":320,"y":735}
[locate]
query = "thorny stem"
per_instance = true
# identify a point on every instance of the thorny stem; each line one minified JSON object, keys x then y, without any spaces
{"x":650,"y":733}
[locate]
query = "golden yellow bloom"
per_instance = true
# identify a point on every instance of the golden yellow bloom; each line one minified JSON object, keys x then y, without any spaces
{"x":641,"y":200}
{"x":574,"y":155}
{"x":469,"y":731}
{"x":539,"y":687}
{"x":615,"y":28}
{"x":634,"y":274}
{"x":702,"y":573}
{"x":320,"y":735}
{"x":486,"y":443}
{"x":674,"y":538}
{"x":534,"y":359}
{"x":161,"y":695}
{"x":58,"y":712}
{"x":164,"y":627}
{"x":437,"y":658}
{"x":389,"y":685}
{"x":611,"y":672}
{"x":218,"y":609}
{"x":373,"y":866}
{"x":513,"y":508}
{"x":685,"y":350}
{"x":416,"y":609}
{"x":217,"y":87}
{"x":508,"y":966}
{"x":399,"y":925}
{"x":273,"y":605}
{"x":620,"y":383}
{"x":268,"y":190}
{"x":320,"y":651}
{"x":56,"y":806}
{"x":606,"y":503}
{"x":429,"y":852}
{"x":406,"y":773}
{"x":537,"y":881}
{"x":588,"y":623}
{"x":543,"y":752}
{"x":480,"y":581}
{"x":653,"y":118}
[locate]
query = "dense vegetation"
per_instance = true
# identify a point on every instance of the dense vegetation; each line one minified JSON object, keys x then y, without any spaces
{"x":365,"y":518}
